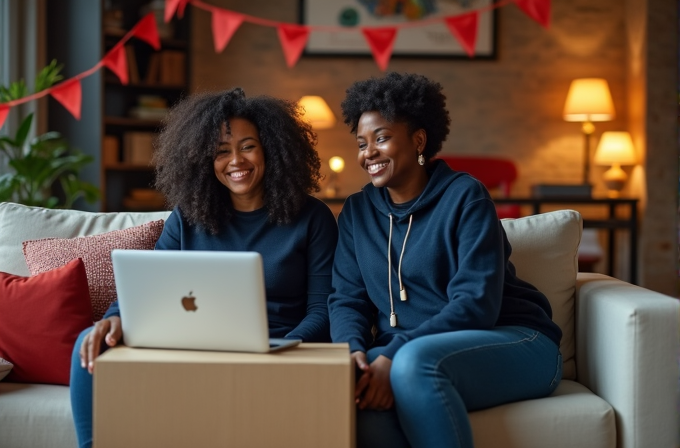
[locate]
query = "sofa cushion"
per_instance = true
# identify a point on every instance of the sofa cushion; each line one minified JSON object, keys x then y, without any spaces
{"x":36,"y":415}
{"x":95,"y":250}
{"x":40,"y":319}
{"x":572,"y":416}
{"x":5,"y":367}
{"x":19,"y":223}
{"x":544,"y":251}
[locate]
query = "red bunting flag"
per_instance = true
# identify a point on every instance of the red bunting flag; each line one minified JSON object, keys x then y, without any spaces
{"x":172,"y":6}
{"x":381,"y":42}
{"x":4,"y":111}
{"x":464,"y":28}
{"x":115,"y":60}
{"x":147,"y":31}
{"x":293,"y":40}
{"x":224,"y":25}
{"x":69,"y":94}
{"x":539,"y":10}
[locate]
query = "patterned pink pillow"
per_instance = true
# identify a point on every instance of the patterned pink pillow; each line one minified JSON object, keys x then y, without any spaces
{"x":46,"y":254}
{"x":5,"y":367}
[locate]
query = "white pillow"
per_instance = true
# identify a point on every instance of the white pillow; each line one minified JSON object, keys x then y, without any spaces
{"x":19,"y":223}
{"x":544,"y":251}
{"x":5,"y":367}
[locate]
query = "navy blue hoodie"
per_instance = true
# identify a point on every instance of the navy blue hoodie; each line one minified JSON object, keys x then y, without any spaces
{"x":454,"y":267}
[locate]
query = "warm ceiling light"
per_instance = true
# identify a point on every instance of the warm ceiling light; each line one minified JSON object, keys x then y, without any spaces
{"x":317,"y":112}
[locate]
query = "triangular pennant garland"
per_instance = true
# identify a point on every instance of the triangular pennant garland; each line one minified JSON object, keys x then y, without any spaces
{"x":293,"y":40}
{"x":539,"y":10}
{"x":224,"y":25}
{"x":172,"y":6}
{"x":115,"y":60}
{"x":381,"y":42}
{"x":4,"y":111}
{"x":464,"y":28}
{"x":147,"y":31}
{"x":70,"y":95}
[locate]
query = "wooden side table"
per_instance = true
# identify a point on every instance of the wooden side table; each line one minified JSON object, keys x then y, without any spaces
{"x":300,"y":397}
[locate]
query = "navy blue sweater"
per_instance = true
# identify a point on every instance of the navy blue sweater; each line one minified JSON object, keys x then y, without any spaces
{"x":297,"y":260}
{"x":455,"y":268}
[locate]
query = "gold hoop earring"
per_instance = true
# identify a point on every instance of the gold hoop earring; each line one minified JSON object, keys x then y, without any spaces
{"x":421,"y":159}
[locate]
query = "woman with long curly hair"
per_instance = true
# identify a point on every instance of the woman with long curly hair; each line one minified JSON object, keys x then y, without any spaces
{"x":238,"y":173}
{"x":425,"y":294}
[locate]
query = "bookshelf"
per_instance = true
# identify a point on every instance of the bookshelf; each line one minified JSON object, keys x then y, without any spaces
{"x":119,"y":122}
{"x":132,"y":113}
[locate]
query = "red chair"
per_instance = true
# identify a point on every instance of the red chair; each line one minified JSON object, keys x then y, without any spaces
{"x":495,"y":174}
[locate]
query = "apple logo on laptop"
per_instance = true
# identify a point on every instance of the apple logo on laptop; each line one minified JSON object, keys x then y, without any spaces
{"x":188,"y":302}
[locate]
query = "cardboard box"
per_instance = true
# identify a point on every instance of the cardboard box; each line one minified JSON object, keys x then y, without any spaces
{"x":299,"y":397}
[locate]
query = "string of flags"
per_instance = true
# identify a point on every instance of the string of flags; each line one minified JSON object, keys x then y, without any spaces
{"x":293,"y":39}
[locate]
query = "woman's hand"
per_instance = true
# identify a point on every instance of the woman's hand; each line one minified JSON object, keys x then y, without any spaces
{"x":373,"y":390}
{"x":108,"y":330}
{"x":359,"y":359}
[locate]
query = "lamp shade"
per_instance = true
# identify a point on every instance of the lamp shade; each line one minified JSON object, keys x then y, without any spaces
{"x":615,"y":148}
{"x":317,"y":112}
{"x":589,"y":100}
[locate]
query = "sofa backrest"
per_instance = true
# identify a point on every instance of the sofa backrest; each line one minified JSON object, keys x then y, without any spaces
{"x":544,"y":251}
{"x":19,"y":223}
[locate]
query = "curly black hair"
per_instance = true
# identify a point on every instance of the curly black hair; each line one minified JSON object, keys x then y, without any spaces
{"x":409,"y":98}
{"x":186,"y":149}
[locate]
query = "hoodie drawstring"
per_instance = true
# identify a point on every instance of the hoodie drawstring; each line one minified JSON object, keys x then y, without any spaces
{"x":402,"y":290}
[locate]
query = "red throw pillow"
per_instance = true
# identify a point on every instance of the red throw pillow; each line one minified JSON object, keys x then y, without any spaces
{"x":95,"y":250}
{"x":40,"y":319}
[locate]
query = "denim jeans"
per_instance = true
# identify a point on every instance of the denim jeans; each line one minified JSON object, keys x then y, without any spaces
{"x":438,"y":379}
{"x":81,"y":395}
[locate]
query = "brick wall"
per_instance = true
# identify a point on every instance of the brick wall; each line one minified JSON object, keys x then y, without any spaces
{"x":509,"y":107}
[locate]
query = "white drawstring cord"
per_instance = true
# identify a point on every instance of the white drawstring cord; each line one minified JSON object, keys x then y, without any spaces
{"x":402,"y":291}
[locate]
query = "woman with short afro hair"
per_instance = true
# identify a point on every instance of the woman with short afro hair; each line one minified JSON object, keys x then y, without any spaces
{"x":238,"y":173}
{"x":437,"y":322}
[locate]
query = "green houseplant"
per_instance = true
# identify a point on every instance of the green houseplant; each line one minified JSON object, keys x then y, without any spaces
{"x":43,"y":170}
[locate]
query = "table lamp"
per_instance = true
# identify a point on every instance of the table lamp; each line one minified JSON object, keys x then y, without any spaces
{"x":615,"y":149}
{"x":317,"y":112}
{"x":588,"y":100}
{"x":337,"y":164}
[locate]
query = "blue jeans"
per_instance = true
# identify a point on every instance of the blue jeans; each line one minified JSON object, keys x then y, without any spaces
{"x":438,"y":379}
{"x":81,"y":395}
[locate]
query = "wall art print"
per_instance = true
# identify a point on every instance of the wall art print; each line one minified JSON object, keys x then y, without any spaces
{"x":421,"y":33}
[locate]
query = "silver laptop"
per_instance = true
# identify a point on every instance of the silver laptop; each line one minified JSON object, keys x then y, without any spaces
{"x":199,"y":300}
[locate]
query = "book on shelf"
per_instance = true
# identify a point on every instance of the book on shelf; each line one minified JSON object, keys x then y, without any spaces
{"x":133,"y":70}
{"x":138,"y":147}
{"x":110,"y":150}
{"x":148,"y":113}
{"x":172,"y":68}
{"x":154,"y":69}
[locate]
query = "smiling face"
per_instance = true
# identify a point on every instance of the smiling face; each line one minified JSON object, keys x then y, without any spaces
{"x":239,"y":164}
{"x":388,"y":151}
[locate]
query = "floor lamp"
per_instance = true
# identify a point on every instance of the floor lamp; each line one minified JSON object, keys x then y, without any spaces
{"x":588,"y":100}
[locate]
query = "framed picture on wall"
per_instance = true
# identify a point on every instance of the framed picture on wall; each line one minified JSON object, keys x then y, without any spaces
{"x":431,"y":39}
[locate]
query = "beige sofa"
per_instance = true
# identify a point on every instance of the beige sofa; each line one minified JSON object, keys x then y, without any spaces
{"x":620,"y":346}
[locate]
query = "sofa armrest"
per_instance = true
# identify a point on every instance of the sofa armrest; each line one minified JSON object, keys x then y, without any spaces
{"x":627,"y":348}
